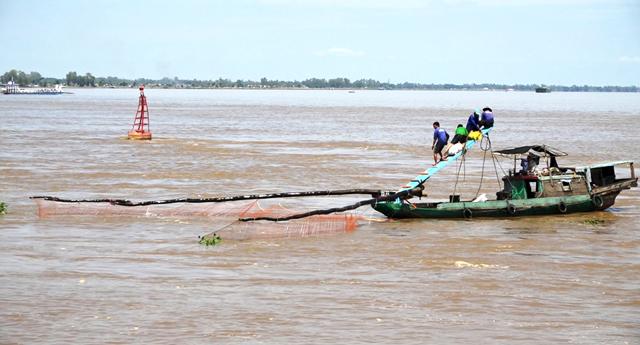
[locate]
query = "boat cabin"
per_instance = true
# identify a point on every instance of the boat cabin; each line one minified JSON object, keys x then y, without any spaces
{"x":534,"y":181}
{"x":603,"y":178}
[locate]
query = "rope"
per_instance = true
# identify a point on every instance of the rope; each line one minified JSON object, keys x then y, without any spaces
{"x":493,"y":159}
{"x":486,"y":148}
{"x":504,"y":173}
{"x":495,"y":168}
{"x":481,"y":174}
{"x":464,"y":170}
{"x":455,"y":186}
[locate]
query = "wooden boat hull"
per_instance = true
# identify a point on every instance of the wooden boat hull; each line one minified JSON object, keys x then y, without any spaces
{"x":497,"y":208}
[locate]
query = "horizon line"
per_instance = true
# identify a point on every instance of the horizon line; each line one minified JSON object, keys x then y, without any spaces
{"x":325,"y":79}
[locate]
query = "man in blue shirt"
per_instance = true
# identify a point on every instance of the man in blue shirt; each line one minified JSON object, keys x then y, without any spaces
{"x":440,"y":139}
{"x":473,"y":123}
{"x":487,"y":118}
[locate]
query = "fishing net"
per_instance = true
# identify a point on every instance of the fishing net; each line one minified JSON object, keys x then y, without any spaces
{"x":310,"y":226}
{"x":224,"y":217}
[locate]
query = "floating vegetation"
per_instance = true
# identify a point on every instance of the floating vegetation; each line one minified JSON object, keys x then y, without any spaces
{"x":3,"y":208}
{"x":210,"y":240}
{"x":594,"y":221}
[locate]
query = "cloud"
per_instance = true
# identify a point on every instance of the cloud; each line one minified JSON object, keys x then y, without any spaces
{"x":629,"y":59}
{"x":341,"y":52}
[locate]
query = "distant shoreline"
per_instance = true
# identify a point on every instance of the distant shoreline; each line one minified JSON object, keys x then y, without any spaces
{"x":87,"y":80}
{"x":152,"y":87}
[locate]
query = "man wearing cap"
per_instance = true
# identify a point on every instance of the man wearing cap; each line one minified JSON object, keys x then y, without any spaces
{"x":487,"y":118}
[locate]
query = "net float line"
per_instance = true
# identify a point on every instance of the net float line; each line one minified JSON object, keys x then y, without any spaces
{"x":231,"y":210}
{"x":389,"y":197}
{"x":124,"y":202}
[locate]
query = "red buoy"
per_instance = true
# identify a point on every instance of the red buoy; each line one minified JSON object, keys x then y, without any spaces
{"x":140,"y":130}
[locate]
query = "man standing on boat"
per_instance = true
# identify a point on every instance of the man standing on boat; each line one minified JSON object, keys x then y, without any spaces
{"x":440,"y":139}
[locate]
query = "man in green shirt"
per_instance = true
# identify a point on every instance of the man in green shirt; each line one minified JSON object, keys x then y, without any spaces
{"x":461,"y":135}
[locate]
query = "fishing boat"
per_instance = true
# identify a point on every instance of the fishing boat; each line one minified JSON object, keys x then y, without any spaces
{"x":529,"y":191}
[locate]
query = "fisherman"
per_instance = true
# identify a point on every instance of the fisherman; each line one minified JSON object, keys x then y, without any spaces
{"x":461,"y":135}
{"x":440,"y":139}
{"x":487,"y":118}
{"x":529,"y":162}
{"x":524,"y":164}
{"x":473,"y":123}
{"x":533,"y":160}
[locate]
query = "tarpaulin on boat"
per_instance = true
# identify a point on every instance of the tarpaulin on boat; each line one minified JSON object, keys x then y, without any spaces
{"x":540,"y":150}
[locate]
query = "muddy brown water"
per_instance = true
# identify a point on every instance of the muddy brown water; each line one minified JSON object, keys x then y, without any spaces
{"x":127,"y":279}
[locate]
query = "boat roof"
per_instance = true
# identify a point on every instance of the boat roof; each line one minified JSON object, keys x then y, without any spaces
{"x":603,"y":165}
{"x":539,"y":150}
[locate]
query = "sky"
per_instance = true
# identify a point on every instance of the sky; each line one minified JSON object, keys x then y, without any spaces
{"x":556,"y":42}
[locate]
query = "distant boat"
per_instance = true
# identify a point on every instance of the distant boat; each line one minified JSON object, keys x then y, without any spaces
{"x":543,"y":89}
{"x":352,"y":91}
{"x":13,"y":89}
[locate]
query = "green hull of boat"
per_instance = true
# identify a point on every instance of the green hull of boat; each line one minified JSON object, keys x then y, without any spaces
{"x":495,"y":208}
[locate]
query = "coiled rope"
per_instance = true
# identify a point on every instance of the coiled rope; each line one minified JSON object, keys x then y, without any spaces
{"x":485,"y":146}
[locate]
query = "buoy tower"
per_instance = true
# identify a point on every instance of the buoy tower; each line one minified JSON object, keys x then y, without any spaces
{"x":140,"y":130}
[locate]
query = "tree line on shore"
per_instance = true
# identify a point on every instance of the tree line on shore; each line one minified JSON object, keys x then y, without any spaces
{"x":74,"y":79}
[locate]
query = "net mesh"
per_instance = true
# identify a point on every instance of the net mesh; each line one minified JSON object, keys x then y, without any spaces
{"x":223,"y":216}
{"x":304,"y":227}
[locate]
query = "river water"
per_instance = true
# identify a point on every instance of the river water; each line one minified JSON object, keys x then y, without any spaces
{"x":124,"y":279}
